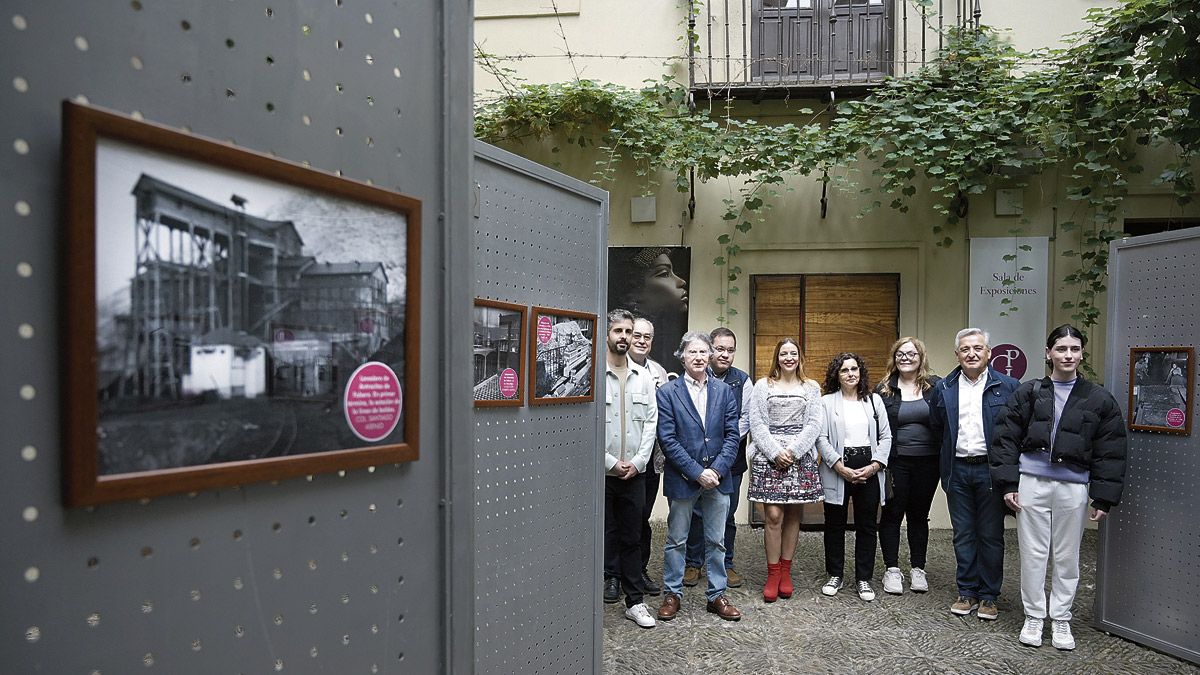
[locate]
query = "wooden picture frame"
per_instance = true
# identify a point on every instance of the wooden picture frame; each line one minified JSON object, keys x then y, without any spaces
{"x":499,"y":381}
{"x":228,"y":317}
{"x":1161,"y":383}
{"x":563,"y":347}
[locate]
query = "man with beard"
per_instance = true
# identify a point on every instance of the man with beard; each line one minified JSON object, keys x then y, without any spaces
{"x":630,"y":425}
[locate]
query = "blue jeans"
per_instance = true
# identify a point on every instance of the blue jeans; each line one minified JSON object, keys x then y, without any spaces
{"x":977,"y":514}
{"x":695,"y":542}
{"x":714,"y":507}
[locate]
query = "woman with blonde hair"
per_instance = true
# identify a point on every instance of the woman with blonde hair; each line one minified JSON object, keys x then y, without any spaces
{"x":785,"y":418}
{"x":906,"y":389}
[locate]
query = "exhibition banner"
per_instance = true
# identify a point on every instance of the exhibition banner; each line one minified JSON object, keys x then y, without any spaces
{"x":1009,"y":289}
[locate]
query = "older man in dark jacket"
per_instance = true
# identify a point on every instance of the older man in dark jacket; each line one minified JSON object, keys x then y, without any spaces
{"x":698,"y":429}
{"x":962,"y":414}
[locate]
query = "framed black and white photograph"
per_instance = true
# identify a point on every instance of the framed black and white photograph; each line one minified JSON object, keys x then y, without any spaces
{"x":230,"y":317}
{"x":500,"y":349}
{"x":1160,"y":389}
{"x":564,"y":364}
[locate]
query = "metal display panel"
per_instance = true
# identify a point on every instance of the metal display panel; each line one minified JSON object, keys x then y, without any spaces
{"x":540,"y":240}
{"x":357,"y":572}
{"x":1149,"y":545}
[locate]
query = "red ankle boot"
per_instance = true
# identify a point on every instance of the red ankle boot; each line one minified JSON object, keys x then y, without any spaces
{"x":785,"y":578}
{"x":771,"y":590}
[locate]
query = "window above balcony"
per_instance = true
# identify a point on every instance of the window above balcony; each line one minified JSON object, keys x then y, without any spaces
{"x":769,"y":48}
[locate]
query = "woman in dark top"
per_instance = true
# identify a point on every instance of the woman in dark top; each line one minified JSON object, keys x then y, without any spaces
{"x":906,"y":389}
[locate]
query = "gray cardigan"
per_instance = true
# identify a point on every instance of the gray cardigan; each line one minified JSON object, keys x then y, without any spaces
{"x":761,"y":440}
{"x":831,"y":444}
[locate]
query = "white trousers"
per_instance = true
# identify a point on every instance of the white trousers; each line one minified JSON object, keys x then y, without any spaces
{"x":1050,"y":527}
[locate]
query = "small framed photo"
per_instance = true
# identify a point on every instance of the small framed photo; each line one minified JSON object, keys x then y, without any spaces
{"x":1160,"y":389}
{"x":564,"y":364}
{"x":228,"y":317}
{"x":500,"y":353}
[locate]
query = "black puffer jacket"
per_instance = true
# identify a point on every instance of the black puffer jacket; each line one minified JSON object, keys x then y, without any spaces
{"x":1090,"y":437}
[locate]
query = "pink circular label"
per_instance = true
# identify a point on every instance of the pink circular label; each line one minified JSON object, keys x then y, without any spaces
{"x":508,"y":383}
{"x":1175,"y":417}
{"x":373,"y":401}
{"x":1010,"y":360}
{"x":545,"y":329}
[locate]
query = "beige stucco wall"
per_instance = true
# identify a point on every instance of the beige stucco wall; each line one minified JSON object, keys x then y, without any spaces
{"x":795,"y":239}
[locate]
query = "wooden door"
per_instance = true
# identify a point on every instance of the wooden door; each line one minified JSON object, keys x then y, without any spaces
{"x":827,"y":314}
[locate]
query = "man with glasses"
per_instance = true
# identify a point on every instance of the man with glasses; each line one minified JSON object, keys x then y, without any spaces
{"x":639,"y":353}
{"x":963,"y":412}
{"x":721,"y":367}
{"x":698,"y":429}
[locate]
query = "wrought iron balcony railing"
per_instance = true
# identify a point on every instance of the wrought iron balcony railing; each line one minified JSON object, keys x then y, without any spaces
{"x":765,"y":48}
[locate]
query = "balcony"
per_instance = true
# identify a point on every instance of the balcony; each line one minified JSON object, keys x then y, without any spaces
{"x":777,"y":48}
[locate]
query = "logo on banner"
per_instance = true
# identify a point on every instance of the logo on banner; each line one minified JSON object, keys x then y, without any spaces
{"x":1010,"y":360}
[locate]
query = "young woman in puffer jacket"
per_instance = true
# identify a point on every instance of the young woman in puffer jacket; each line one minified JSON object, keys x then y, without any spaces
{"x":1058,"y":441}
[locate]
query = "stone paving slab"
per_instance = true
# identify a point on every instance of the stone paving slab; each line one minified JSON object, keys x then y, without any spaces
{"x":909,"y":633}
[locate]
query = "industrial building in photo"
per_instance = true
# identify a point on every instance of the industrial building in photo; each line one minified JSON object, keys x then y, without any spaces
{"x":227,"y":302}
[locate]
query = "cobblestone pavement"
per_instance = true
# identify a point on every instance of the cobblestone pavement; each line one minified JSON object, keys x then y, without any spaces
{"x":909,"y":633}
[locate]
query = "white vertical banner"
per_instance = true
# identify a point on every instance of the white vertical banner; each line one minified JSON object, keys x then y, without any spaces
{"x":1009,"y":289}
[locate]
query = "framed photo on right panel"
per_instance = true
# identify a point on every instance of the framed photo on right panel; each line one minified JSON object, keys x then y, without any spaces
{"x":1160,"y":389}
{"x":564,"y":357}
{"x":500,"y":353}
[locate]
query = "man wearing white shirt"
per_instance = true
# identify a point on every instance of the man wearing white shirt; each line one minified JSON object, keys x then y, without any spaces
{"x":721,"y":368}
{"x":962,"y":414}
{"x":630,"y":425}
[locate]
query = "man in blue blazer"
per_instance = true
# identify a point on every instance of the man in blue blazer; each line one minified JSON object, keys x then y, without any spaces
{"x":698,"y":430}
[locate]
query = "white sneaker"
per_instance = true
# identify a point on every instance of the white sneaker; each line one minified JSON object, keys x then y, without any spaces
{"x":865,"y":592}
{"x":1031,"y":634}
{"x":640,"y":615}
{"x":893,"y":581}
{"x":919,"y":583}
{"x":832,"y":586}
{"x":1060,"y":635}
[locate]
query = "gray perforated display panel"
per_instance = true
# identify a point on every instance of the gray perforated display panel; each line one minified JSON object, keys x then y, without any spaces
{"x":1151,"y":543}
{"x":352,"y":573}
{"x":540,"y":241}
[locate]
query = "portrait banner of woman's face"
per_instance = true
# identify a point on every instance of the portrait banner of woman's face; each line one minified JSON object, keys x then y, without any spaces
{"x":652,"y":282}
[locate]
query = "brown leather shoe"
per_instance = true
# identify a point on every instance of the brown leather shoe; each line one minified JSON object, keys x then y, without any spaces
{"x":691,"y":576}
{"x":669,"y":608}
{"x":723,"y":608}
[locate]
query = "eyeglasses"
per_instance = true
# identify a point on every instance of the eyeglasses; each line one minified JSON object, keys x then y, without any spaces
{"x":697,"y":352}
{"x":978,"y":349}
{"x":725,"y":350}
{"x":907,"y":356}
{"x":643,"y":336}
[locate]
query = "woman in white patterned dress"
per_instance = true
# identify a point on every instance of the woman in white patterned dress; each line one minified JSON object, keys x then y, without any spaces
{"x":785,"y":418}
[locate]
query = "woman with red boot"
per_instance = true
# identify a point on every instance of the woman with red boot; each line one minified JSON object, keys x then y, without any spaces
{"x":785,"y":418}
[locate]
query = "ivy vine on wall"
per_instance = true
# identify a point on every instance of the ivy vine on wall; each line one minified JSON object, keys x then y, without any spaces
{"x":975,"y":118}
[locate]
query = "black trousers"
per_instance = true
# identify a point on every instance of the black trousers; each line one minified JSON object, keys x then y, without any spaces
{"x":652,"y":480}
{"x":623,"y":503}
{"x":866,"y":504}
{"x":914,"y":482}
